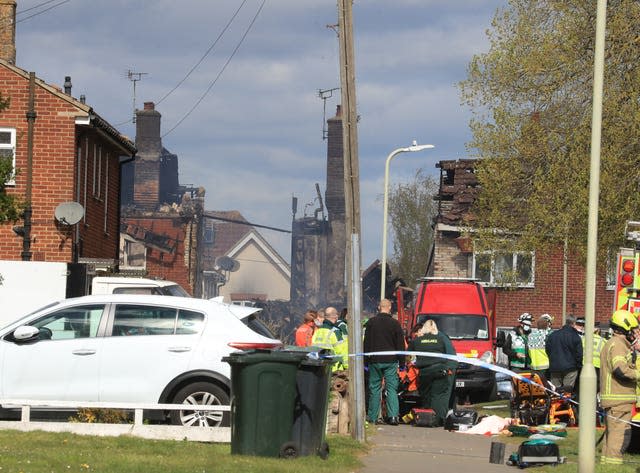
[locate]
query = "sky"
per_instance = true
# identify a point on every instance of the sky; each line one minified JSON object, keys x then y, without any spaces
{"x":237,"y":84}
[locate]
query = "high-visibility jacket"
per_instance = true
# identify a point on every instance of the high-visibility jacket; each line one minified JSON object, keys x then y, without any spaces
{"x":518,"y":345}
{"x":537,"y":352}
{"x":327,"y":338}
{"x":598,"y":343}
{"x":618,"y":374}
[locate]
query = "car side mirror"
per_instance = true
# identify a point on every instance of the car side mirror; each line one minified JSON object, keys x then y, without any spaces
{"x":501,"y":339}
{"x":26,"y":333}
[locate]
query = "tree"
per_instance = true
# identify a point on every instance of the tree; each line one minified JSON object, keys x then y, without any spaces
{"x":531,"y":101}
{"x":10,"y":205}
{"x":411,"y":211}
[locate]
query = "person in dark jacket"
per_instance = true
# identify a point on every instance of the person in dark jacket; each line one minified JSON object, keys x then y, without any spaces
{"x":437,"y":375}
{"x":564,"y":349}
{"x":383,"y":333}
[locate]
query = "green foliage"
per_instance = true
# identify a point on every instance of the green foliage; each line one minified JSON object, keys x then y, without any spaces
{"x":411,"y":211}
{"x":531,"y":96}
{"x":101,"y":416}
{"x":11,"y":206}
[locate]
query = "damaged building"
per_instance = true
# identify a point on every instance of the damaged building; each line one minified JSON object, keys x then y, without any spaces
{"x":318,"y":240}
{"x":161,"y":221}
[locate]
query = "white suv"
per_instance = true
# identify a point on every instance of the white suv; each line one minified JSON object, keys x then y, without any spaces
{"x":130,"y":348}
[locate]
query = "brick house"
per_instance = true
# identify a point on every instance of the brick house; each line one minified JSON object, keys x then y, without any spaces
{"x":161,"y":225}
{"x":540,"y":285}
{"x":63,"y":152}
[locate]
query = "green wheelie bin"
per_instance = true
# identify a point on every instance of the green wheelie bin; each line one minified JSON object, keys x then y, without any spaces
{"x":263,"y":396}
{"x":313,"y":381}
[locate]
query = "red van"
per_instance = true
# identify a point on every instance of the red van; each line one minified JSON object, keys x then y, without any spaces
{"x":460,"y":309}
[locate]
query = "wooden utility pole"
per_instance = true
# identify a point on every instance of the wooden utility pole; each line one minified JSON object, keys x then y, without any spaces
{"x":352,"y":215}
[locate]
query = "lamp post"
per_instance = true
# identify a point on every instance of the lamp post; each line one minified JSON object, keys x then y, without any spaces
{"x":410,"y":149}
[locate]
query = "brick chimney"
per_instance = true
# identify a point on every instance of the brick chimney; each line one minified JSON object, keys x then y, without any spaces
{"x":334,"y":195}
{"x":8,"y":31}
{"x":146,"y":181}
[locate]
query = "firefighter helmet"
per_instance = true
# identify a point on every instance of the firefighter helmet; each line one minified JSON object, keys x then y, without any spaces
{"x":624,"y":320}
{"x":525,"y":318}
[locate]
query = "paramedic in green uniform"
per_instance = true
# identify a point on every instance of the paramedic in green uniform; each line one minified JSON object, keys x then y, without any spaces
{"x":437,"y":375}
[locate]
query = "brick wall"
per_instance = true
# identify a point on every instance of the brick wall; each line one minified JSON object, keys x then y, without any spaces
{"x":56,"y":175}
{"x":546,"y":297}
{"x":448,"y":261}
{"x":172,"y":266}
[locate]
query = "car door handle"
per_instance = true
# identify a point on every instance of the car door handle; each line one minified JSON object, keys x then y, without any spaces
{"x":84,"y":352}
{"x":179,"y":349}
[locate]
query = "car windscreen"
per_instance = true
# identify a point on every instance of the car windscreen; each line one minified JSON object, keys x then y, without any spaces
{"x":258,"y":326}
{"x":459,"y":327}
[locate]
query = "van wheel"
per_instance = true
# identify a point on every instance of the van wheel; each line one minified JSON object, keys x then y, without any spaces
{"x":201,"y":394}
{"x":492,"y":392}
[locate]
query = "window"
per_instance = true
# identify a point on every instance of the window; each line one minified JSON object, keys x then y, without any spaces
{"x":208,"y":231}
{"x":97,"y":171}
{"x":133,"y":254}
{"x":8,"y":150}
{"x":189,"y":322}
{"x":152,"y":320}
{"x":504,"y":269}
{"x":74,"y":322}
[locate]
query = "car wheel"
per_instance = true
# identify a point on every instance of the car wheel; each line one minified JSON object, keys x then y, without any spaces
{"x":201,"y":394}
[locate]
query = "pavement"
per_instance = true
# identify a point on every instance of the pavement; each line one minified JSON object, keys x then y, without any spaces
{"x":407,"y":448}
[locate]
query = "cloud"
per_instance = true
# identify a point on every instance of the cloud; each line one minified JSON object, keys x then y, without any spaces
{"x":255,"y":139}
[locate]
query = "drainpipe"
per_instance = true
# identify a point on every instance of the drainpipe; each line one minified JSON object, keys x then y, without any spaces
{"x":31,"y":118}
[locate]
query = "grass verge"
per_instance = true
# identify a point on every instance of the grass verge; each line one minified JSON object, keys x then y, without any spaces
{"x":44,"y":452}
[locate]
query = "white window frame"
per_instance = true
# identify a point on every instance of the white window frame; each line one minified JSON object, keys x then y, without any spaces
{"x":493,"y":282}
{"x":97,"y":171}
{"x":12,"y":147}
{"x":125,"y":241}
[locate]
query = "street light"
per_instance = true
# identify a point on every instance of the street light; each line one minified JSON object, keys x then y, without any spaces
{"x":410,"y":149}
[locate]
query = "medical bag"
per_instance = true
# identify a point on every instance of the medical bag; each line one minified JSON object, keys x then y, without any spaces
{"x":425,"y":417}
{"x":460,"y":419}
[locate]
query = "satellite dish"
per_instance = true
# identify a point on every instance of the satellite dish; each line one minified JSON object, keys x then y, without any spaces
{"x":227,"y":264}
{"x":69,"y":213}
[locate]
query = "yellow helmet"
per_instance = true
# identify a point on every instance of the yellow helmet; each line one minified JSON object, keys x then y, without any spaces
{"x":624,"y":320}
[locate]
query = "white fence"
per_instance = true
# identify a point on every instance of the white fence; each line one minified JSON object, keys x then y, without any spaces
{"x":137,"y":429}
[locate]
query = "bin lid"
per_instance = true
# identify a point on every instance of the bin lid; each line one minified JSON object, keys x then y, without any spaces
{"x":257,"y":356}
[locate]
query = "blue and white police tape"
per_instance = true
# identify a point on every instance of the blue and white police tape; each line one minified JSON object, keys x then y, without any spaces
{"x":461,"y":359}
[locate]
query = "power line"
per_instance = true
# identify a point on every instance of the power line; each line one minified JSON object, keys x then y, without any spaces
{"x":221,"y":71}
{"x":6,"y":21}
{"x":205,"y":54}
{"x":40,"y":12}
{"x":242,"y":222}
{"x":33,"y":8}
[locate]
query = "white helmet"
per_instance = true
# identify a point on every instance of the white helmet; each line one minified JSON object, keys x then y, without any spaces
{"x":525,"y":318}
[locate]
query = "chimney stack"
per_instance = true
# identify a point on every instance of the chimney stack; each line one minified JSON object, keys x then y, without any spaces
{"x":67,"y":85}
{"x":8,"y":31}
{"x":146,"y":187}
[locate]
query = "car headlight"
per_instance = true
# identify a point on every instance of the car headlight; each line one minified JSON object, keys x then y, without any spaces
{"x":487,"y":357}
